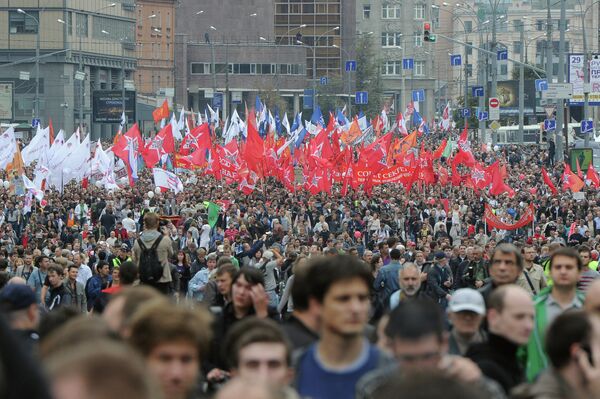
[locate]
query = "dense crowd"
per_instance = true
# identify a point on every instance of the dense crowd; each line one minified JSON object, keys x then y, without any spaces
{"x":140,"y":293}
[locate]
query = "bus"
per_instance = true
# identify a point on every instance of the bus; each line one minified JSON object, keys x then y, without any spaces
{"x":532,"y":134}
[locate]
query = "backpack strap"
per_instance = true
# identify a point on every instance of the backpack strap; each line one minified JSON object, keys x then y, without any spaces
{"x":155,"y":245}
{"x":141,"y":244}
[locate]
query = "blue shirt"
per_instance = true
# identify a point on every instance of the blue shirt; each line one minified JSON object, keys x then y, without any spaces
{"x":314,"y":380}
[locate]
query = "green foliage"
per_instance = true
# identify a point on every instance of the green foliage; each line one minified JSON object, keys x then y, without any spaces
{"x":273,"y":100}
{"x":368,"y":75}
{"x":457,"y":116}
{"x":528,"y":73}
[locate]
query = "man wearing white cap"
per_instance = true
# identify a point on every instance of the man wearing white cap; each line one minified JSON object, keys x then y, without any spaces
{"x":466,"y":311}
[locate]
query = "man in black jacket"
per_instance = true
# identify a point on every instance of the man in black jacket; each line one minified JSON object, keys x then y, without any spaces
{"x":439,"y":280}
{"x":510,"y":319}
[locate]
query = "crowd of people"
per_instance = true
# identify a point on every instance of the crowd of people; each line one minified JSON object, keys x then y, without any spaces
{"x":142,"y":294}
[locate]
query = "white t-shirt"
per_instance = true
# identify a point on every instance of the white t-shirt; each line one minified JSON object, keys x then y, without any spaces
{"x":129,"y":225}
{"x":84,"y":274}
{"x":205,"y":234}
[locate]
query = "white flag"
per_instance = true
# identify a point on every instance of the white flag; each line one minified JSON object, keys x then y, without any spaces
{"x":123,"y":121}
{"x":8,"y":147}
{"x":37,"y":148}
{"x":166,"y":179}
{"x":33,"y":189}
{"x":286,"y":124}
{"x":175,"y":128}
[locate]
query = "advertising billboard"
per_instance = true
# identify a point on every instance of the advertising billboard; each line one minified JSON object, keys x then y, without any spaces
{"x":507,"y":92}
{"x":108,"y":106}
{"x":576,"y":77}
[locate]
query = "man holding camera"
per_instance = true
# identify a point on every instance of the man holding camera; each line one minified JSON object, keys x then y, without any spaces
{"x":532,"y":279}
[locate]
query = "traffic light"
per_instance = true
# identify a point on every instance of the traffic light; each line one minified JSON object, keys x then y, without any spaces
{"x":427,"y":36}
{"x":426,"y":31}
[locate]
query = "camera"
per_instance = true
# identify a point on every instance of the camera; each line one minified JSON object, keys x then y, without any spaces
{"x":469,"y":275}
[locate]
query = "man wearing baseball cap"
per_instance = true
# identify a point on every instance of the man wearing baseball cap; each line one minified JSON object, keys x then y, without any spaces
{"x":18,"y":302}
{"x":466,"y":311}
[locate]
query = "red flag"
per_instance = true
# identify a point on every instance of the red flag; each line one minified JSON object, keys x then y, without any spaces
{"x":130,"y":141}
{"x":479,"y":177}
{"x":498,"y":185}
{"x":51,"y":128}
{"x":254,"y":150}
{"x":548,"y":182}
{"x":440,"y":150}
{"x":592,"y":176}
{"x":160,"y":145}
{"x":464,"y":155}
{"x":198,"y":138}
{"x":571,"y":180}
{"x":161,"y":112}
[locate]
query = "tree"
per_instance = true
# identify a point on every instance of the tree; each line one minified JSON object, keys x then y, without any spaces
{"x":529,"y":73}
{"x":328,"y":97}
{"x":457,"y":115}
{"x":368,"y":74}
{"x":273,"y":100}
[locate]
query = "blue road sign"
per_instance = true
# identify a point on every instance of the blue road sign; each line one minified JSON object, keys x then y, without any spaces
{"x":350,"y":65}
{"x":408,"y":63}
{"x":455,"y":60}
{"x":418,"y":95}
{"x":502,"y":55}
{"x":35,"y":122}
{"x":217,"y":100}
{"x":587,"y":126}
{"x":482,"y":115}
{"x":541,"y":85}
{"x":477,"y":91}
{"x":466,"y":112}
{"x":550,"y":124}
{"x":308,"y":98}
{"x":324,"y":80}
{"x":362,"y":98}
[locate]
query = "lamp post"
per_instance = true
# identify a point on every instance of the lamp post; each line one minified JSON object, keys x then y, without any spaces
{"x":122,"y":41}
{"x":37,"y":62}
{"x":315,"y":64}
{"x":278,"y":43}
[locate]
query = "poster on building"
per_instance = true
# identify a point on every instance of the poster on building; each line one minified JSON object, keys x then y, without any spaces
{"x":576,"y":78}
{"x":6,"y":101}
{"x":507,"y":93}
{"x":108,"y":106}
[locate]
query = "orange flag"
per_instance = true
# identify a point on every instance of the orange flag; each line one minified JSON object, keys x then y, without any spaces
{"x":592,"y":176}
{"x":161,"y":112}
{"x":571,"y":180}
{"x":351,"y":134}
{"x":17,"y":164}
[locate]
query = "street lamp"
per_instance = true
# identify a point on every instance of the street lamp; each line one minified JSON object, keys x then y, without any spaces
{"x":349,"y":81}
{"x":277,"y":44}
{"x":315,"y":64}
{"x":37,"y":62}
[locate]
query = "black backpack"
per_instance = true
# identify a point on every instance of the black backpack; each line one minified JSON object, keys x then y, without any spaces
{"x":151,"y":270}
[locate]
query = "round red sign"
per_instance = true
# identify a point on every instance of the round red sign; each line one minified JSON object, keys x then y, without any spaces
{"x":494,"y":103}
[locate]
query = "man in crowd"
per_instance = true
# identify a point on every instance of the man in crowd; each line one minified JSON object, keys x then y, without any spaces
{"x":439,"y":280}
{"x":506,"y":266}
{"x":466,"y":311}
{"x":174,"y":342}
{"x":409,"y":279}
{"x":565,"y":269}
{"x":76,"y":289}
{"x":588,"y":275}
{"x":332,"y":366}
{"x":532,"y":279}
{"x":387,"y":278}
{"x":38,"y":277}
{"x":510,"y":319}
{"x":19,"y":304}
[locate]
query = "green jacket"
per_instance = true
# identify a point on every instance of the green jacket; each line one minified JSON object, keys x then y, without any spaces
{"x":537,"y":360}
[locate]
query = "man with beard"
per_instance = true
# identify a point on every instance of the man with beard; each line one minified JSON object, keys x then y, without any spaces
{"x":409,"y":279}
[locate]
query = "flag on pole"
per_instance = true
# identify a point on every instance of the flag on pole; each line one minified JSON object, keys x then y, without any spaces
{"x":213,"y":212}
{"x":167,"y":180}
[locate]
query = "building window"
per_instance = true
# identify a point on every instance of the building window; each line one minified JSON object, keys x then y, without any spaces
{"x":517,"y":47}
{"x":82,"y":25}
{"x":391,"y":39}
{"x":468,"y":26}
{"x":419,"y":68}
{"x":419,"y":11}
{"x":435,"y":17}
{"x":366,"y":11}
{"x":390,"y":11}
{"x":392,"y":68}
{"x":21,"y":23}
{"x":469,"y":49}
{"x":69,"y":23}
{"x":503,"y":69}
{"x":469,"y":70}
{"x":539,"y":25}
{"x":200,"y":68}
{"x":418,"y":39}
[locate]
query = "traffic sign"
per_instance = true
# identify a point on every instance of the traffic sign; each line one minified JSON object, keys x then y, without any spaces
{"x":495,"y":125}
{"x":477,"y":91}
{"x":408,"y":63}
{"x":455,"y":60}
{"x":418,"y":95}
{"x":217,"y":100}
{"x":557,"y":91}
{"x":494,"y":108}
{"x":587,"y":126}
{"x":350,"y":65}
{"x":35,"y":122}
{"x":324,"y":81}
{"x":502,"y":55}
{"x":549,"y":124}
{"x":482,"y":115}
{"x":466,"y":112}
{"x":308,"y":98}
{"x":361,"y":98}
{"x":541,"y":85}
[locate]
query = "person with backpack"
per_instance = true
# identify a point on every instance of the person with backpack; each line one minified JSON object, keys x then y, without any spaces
{"x":151,"y":254}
